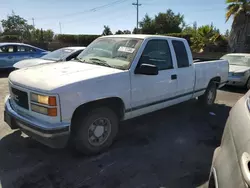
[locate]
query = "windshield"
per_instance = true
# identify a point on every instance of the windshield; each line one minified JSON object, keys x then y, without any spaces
{"x":58,"y":55}
{"x":111,"y":52}
{"x":239,"y":60}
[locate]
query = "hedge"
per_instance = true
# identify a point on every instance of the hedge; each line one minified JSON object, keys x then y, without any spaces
{"x":82,"y":40}
{"x":9,"y":38}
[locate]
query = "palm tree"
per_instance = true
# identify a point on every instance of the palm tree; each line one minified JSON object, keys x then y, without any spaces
{"x":239,"y":10}
{"x":204,"y":37}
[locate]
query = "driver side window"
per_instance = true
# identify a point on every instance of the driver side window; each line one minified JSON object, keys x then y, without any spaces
{"x":157,"y":52}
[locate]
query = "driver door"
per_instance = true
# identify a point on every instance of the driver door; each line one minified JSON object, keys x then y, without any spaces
{"x":150,"y":93}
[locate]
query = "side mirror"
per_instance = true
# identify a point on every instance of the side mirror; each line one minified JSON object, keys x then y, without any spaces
{"x":147,"y":69}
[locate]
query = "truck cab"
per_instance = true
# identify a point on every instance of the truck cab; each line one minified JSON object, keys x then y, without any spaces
{"x":115,"y":78}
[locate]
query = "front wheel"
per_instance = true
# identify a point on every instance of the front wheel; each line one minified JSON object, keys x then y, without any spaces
{"x":209,"y":96}
{"x":96,"y":131}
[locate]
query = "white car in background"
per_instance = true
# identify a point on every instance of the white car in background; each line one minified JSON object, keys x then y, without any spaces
{"x":239,"y":69}
{"x":62,"y":54}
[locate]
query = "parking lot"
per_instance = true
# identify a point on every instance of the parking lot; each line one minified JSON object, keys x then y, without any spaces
{"x":169,"y":148}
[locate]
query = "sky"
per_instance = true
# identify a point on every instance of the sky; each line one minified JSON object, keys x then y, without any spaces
{"x":89,"y":16}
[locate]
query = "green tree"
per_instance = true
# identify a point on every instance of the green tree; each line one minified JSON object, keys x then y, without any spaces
{"x":48,"y":35}
{"x":162,"y":23}
{"x":204,"y":37}
{"x":136,"y":31}
{"x":40,"y":35}
{"x":227,"y":33}
{"x":119,"y":32}
{"x":190,"y":29}
{"x":239,"y":11}
{"x":107,"y":30}
{"x":127,"y":32}
{"x":41,"y":38}
{"x":16,"y":25}
{"x":35,"y":35}
{"x":169,"y":22}
{"x":147,"y":25}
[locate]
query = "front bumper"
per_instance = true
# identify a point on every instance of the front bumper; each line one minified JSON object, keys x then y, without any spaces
{"x":41,"y":131}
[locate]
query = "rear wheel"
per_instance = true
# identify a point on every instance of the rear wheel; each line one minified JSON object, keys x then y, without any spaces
{"x":210,"y":94}
{"x":96,"y":131}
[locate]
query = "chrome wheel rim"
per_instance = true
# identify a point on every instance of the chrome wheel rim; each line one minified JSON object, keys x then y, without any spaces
{"x":99,"y":131}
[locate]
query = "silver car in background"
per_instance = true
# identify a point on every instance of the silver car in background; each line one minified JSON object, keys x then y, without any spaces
{"x":62,"y":54}
{"x":239,"y":69}
{"x":231,"y":161}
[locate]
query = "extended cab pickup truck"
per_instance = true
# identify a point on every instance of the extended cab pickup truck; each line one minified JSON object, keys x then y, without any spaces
{"x":115,"y":78}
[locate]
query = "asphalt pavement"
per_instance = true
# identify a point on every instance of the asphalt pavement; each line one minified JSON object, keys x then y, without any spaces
{"x":170,"y":148}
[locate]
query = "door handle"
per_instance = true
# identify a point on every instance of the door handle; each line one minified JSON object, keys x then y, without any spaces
{"x":245,"y":167}
{"x":173,"y":77}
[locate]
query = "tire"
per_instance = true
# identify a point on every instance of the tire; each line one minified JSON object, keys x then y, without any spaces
{"x":209,"y":96}
{"x":87,"y":136}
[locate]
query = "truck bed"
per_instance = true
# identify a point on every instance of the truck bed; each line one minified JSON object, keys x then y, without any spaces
{"x":198,"y":60}
{"x":204,"y":70}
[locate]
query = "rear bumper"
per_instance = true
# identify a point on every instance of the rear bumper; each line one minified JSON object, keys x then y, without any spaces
{"x":55,"y":138}
{"x":237,"y":81}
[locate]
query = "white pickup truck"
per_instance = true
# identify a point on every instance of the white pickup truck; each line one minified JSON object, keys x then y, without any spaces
{"x":115,"y":78}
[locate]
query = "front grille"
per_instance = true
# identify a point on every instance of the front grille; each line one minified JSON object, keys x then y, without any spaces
{"x":20,"y":98}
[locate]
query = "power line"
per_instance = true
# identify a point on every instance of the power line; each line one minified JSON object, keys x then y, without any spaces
{"x":96,"y":14}
{"x":116,"y":13}
{"x":137,"y":10}
{"x":85,"y":11}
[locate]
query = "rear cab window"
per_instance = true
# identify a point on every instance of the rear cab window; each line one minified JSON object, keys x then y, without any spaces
{"x":157,"y":52}
{"x":181,"y":53}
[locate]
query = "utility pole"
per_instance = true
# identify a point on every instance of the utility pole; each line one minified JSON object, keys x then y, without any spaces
{"x":60,"y":26}
{"x":137,"y":17}
{"x":33,"y":21}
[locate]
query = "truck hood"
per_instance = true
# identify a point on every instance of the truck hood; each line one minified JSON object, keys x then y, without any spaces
{"x":236,"y":68}
{"x":49,"y":77}
{"x":31,"y":62}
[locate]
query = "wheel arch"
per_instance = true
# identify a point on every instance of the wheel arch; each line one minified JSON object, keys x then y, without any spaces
{"x":115,"y":103}
{"x":216,"y":80}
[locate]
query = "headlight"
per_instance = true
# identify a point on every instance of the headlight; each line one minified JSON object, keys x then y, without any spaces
{"x":44,"y":110}
{"x":48,"y":100}
{"x":43,"y":104}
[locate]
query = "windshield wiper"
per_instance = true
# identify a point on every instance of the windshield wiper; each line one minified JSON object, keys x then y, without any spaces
{"x":99,"y":62}
{"x":79,"y":59}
